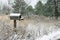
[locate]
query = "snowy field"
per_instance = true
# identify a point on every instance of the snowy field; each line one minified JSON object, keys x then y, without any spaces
{"x":32,"y":28}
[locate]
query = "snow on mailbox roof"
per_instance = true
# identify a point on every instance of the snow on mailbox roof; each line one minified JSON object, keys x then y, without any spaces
{"x":15,"y":14}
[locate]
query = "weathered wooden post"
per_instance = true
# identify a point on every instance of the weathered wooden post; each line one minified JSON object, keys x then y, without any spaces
{"x":14,"y":23}
{"x":15,"y":26}
{"x":14,"y":17}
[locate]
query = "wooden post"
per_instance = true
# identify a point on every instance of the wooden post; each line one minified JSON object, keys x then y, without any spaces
{"x":14,"y":25}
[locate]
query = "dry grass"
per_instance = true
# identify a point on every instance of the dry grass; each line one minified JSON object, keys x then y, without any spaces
{"x":34,"y":25}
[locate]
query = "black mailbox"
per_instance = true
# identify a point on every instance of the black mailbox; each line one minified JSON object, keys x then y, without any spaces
{"x":15,"y":16}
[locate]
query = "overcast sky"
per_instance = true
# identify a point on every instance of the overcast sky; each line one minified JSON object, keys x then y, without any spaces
{"x":33,"y":2}
{"x":30,"y":2}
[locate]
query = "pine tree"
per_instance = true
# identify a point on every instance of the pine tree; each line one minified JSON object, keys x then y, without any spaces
{"x":19,"y":6}
{"x":30,"y":9}
{"x":38,"y":8}
{"x":54,"y":6}
{"x":49,"y":10}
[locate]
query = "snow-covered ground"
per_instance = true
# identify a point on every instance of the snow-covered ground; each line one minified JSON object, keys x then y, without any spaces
{"x":35,"y":28}
{"x":51,"y":36}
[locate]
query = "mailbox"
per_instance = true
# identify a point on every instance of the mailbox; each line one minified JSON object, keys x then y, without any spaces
{"x":15,"y":16}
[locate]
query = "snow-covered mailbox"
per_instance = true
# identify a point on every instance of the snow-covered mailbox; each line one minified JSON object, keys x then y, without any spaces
{"x":15,"y":16}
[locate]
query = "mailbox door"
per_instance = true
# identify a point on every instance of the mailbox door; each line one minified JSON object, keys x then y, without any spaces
{"x":14,"y":18}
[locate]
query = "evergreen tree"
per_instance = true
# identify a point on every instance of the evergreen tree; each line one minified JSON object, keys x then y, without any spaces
{"x":19,"y":6}
{"x":52,"y":8}
{"x":49,"y":8}
{"x":38,"y":8}
{"x":30,"y":9}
